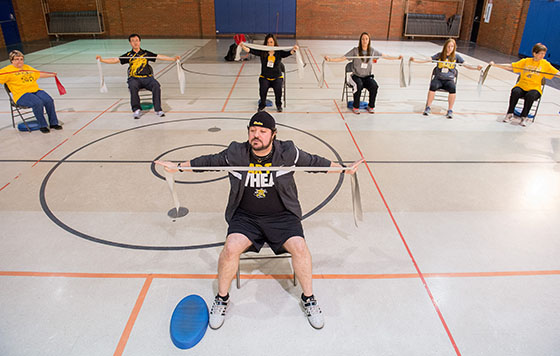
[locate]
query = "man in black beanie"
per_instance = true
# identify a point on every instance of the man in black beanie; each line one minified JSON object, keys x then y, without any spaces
{"x":262,"y":207}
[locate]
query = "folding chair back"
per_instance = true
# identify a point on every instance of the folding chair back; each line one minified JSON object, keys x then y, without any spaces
{"x":24,"y":112}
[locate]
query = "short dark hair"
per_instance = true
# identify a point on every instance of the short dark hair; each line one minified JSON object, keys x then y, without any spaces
{"x":539,"y":47}
{"x":134,"y":35}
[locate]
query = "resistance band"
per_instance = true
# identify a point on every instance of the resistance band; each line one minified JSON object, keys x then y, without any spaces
{"x":59,"y":86}
{"x":355,"y":187}
{"x":299,"y":59}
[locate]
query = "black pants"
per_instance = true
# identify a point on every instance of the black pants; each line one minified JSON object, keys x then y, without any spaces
{"x":365,"y":82}
{"x":276,"y":85}
{"x":529,"y":97}
{"x":149,"y":83}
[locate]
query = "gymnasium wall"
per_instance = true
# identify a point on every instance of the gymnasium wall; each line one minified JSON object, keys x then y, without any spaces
{"x":343,"y":19}
{"x":505,"y":29}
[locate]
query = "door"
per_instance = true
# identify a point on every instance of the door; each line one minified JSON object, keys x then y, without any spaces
{"x":476,"y":20}
{"x":541,"y":26}
{"x":255,"y":16}
{"x":8,"y":23}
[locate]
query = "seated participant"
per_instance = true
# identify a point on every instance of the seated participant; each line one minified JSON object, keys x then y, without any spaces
{"x":445,"y":74}
{"x":361,"y":70}
{"x":140,"y":74}
{"x":21,"y":79}
{"x":271,"y":72}
{"x":529,"y":84}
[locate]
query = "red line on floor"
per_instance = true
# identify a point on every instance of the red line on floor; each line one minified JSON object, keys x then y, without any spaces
{"x":132,"y":318}
{"x":233,"y":86}
{"x":434,"y":303}
{"x":5,"y":185}
{"x":95,"y":118}
{"x":48,"y":153}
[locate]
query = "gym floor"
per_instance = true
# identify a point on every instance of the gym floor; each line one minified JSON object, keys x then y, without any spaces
{"x":457,"y":253}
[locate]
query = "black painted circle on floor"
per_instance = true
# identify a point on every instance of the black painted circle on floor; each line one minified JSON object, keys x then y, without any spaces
{"x":80,"y":234}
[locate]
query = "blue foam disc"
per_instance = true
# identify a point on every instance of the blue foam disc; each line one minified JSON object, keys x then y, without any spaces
{"x":517,"y":113}
{"x":189,"y":322}
{"x":268,"y":102}
{"x":33,"y":125}
{"x":363,"y":104}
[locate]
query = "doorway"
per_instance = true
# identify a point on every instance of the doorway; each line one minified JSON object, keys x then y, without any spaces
{"x":8,"y":23}
{"x":476,"y":20}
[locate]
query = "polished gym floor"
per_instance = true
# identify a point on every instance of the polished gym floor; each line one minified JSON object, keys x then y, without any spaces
{"x":457,"y":254}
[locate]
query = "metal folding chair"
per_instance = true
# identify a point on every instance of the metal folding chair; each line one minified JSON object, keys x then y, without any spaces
{"x":347,"y":87}
{"x":533,"y":112}
{"x":248,"y":255}
{"x":283,"y":69}
{"x":442,"y":95}
{"x":24,"y":112}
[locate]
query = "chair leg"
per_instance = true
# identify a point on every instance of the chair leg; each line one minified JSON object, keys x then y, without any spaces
{"x":22,"y":119}
{"x":295,"y":280}
{"x":238,"y":276}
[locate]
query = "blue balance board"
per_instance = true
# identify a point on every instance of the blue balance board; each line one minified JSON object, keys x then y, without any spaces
{"x":268,"y":102}
{"x":363,"y":104}
{"x":33,"y":125}
{"x":189,"y":322}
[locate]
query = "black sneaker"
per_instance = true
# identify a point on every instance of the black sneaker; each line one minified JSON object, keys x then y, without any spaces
{"x":279,"y":109}
{"x":45,"y":130}
{"x":56,"y":127}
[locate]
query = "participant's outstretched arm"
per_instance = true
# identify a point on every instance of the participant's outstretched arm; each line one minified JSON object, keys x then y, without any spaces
{"x":107,"y":60}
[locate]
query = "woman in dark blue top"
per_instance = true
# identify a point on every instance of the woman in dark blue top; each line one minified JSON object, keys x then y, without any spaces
{"x":271,"y":70}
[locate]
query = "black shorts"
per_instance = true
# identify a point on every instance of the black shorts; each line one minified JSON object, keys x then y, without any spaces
{"x":447,"y":85}
{"x":274,"y":229}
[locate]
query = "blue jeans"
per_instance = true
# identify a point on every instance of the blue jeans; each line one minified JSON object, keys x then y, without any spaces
{"x":37,"y":101}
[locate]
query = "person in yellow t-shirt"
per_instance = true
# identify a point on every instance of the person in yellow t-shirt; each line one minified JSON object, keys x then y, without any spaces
{"x":532,"y":71}
{"x":21,"y":79}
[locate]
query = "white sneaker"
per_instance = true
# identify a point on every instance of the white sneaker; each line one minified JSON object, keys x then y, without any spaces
{"x":508,"y":118}
{"x":137,"y":114}
{"x":313,"y":313}
{"x":160,"y":113}
{"x":218,"y":313}
{"x":523,"y":121}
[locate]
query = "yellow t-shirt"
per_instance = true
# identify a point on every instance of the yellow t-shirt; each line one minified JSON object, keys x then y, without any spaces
{"x":531,"y":80}
{"x":21,"y":82}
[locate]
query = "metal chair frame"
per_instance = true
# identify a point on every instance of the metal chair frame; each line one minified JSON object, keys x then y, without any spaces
{"x":244,"y":257}
{"x":24,"y":112}
{"x":440,"y":93}
{"x":346,"y":88}
{"x":534,"y":108}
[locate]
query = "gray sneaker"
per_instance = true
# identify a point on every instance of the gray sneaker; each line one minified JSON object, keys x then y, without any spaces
{"x":137,"y":114}
{"x":160,"y":113}
{"x":313,"y":313}
{"x":508,"y":118}
{"x":218,"y":313}
{"x":523,"y":121}
{"x":449,"y":114}
{"x":427,"y":111}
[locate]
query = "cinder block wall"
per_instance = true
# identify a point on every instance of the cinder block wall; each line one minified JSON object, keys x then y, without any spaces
{"x":343,"y":19}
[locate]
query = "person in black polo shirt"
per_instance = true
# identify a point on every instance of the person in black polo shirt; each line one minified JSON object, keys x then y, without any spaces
{"x":140,"y":74}
{"x":263,"y":207}
{"x":271,"y":70}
